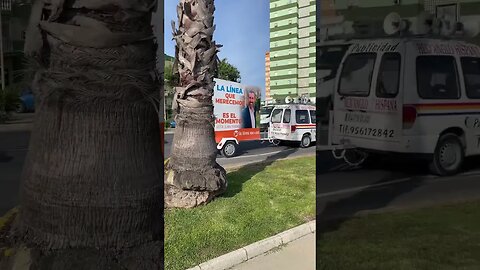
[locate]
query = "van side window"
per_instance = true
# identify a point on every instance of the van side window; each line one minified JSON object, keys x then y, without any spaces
{"x":356,"y":76}
{"x":313,"y":116}
{"x":437,"y":77}
{"x":277,"y":116}
{"x":286,"y":116}
{"x":388,"y":80}
{"x":302,"y":117}
{"x":471,"y":73}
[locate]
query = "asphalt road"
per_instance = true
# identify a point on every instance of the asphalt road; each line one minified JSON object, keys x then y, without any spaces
{"x":252,"y":151}
{"x":342,"y":191}
{"x":391,"y":183}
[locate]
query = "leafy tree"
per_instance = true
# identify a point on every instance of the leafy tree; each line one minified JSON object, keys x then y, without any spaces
{"x":227,"y":71}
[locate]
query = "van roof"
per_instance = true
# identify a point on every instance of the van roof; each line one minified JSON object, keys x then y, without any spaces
{"x":296,"y":106}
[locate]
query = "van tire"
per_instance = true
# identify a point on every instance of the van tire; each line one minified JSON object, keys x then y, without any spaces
{"x":229,"y":149}
{"x":306,"y":141}
{"x":451,"y":143}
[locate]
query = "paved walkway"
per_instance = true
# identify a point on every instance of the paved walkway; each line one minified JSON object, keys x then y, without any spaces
{"x":298,"y":255}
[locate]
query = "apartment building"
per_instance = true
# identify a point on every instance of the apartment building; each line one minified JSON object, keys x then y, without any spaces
{"x":292,"y":48}
{"x":268,"y":96}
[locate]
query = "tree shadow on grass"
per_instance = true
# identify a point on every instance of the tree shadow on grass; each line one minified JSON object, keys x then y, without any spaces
{"x":237,"y":178}
{"x":335,"y":209}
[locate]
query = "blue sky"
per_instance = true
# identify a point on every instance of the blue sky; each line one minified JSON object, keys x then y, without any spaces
{"x":242,"y":29}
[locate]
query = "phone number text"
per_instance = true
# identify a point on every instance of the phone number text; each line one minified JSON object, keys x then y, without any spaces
{"x":364,"y":131}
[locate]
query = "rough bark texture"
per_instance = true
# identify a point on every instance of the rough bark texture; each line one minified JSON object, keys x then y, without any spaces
{"x":91,"y":187}
{"x":193,"y":176}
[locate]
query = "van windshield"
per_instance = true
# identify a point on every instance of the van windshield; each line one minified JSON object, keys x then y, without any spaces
{"x":356,"y":76}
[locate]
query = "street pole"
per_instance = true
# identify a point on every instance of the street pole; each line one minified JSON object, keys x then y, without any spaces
{"x":1,"y":48}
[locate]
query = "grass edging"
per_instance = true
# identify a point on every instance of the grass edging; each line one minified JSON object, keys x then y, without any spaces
{"x":263,"y":199}
{"x":261,"y":247}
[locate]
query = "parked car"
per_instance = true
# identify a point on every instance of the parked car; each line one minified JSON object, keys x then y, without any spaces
{"x":173,"y":124}
{"x":27,"y":102}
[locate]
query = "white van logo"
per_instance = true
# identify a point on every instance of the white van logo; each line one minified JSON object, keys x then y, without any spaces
{"x":359,"y":118}
{"x":385,"y":105}
{"x":448,"y":49}
{"x":375,"y":47}
{"x":356,"y":103}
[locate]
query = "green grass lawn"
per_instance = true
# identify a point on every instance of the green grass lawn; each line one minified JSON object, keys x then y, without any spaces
{"x":444,"y":237}
{"x":261,"y":201}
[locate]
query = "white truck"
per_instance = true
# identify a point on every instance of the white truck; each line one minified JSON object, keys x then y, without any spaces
{"x":235,"y":115}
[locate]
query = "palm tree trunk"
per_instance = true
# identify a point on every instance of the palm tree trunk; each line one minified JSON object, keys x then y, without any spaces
{"x":92,"y":178}
{"x":193,"y":176}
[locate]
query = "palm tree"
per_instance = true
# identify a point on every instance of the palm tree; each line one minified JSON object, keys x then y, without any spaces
{"x":193,"y":176}
{"x":92,"y":178}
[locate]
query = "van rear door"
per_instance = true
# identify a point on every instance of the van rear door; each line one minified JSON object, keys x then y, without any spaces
{"x":368,"y":100}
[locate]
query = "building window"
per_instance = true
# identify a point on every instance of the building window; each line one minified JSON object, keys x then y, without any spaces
{"x":290,"y":42}
{"x":289,"y":81}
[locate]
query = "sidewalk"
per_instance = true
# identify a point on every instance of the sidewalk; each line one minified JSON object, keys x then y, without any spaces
{"x":298,"y":255}
{"x":19,"y":122}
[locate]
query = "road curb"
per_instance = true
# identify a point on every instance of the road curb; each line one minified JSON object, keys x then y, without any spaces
{"x":236,"y":167}
{"x":261,"y":247}
{"x":16,"y":127}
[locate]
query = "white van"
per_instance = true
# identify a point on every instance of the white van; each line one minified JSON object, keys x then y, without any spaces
{"x":293,"y":123}
{"x":410,"y":95}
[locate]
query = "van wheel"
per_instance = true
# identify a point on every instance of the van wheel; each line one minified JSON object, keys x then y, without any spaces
{"x":306,"y":141}
{"x":449,"y":155}
{"x":229,"y":149}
